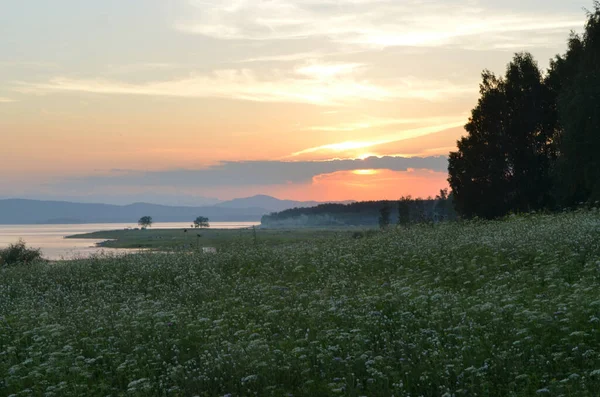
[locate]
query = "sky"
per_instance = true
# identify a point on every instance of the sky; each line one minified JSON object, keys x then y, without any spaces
{"x":193,"y":101}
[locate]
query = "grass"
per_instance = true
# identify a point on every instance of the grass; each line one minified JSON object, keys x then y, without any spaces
{"x":168,"y":239}
{"x":506,"y":308}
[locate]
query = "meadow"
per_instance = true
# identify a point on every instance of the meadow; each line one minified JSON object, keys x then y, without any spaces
{"x":185,"y":239}
{"x":504,"y":308}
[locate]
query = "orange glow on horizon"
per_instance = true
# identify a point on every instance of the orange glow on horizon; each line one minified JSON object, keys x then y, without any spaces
{"x":378,"y":184}
{"x":347,"y":185}
{"x":366,"y":155}
{"x":365,"y":172}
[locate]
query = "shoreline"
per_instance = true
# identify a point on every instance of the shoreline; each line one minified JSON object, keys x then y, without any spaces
{"x":169,"y":239}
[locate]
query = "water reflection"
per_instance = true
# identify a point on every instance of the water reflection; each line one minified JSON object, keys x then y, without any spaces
{"x":50,"y":238}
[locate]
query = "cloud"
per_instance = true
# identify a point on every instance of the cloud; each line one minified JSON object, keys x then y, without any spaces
{"x":314,"y":83}
{"x":29,"y":65}
{"x":251,"y":173}
{"x":290,"y":57}
{"x":231,"y":84}
{"x":324,"y":71}
{"x":143,"y":66}
{"x":359,"y":147}
{"x":379,"y":122}
{"x":378,"y":24}
{"x":7,"y":100}
{"x":322,"y":181}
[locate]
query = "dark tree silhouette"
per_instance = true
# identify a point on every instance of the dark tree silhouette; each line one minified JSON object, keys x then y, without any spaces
{"x":533,"y":141}
{"x":201,"y":222}
{"x":384,"y":216}
{"x":364,"y":213}
{"x":575,"y":80}
{"x":145,"y":221}
{"x":502,"y":164}
{"x":404,"y":211}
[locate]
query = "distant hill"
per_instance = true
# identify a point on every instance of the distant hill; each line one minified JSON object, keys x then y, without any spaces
{"x":19,"y":211}
{"x":269,"y":203}
{"x":23,"y":211}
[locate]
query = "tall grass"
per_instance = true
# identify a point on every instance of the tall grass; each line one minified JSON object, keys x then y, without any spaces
{"x":506,"y":308}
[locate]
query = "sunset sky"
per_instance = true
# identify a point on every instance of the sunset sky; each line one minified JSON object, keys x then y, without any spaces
{"x":184,"y":101}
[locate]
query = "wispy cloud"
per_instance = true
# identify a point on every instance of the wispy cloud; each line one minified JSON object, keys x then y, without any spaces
{"x":319,"y":84}
{"x":325,"y":71}
{"x":354,"y":146}
{"x":28,"y":64}
{"x":380,"y":122}
{"x":144,"y":66}
{"x":7,"y":100}
{"x":378,"y":24}
{"x":232,"y":84}
{"x":290,"y":57}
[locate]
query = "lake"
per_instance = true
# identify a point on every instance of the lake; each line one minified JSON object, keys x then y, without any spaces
{"x":50,"y":238}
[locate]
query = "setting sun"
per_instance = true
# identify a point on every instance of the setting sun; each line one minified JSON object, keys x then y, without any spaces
{"x":226,"y":101}
{"x":365,"y":172}
{"x":366,"y":156}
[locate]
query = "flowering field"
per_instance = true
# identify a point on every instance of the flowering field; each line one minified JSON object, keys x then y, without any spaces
{"x":506,"y":308}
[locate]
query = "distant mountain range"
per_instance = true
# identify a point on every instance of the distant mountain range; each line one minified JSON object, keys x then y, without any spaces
{"x":269,"y":203}
{"x":23,"y":211}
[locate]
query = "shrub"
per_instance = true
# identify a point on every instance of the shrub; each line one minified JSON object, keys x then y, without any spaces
{"x":19,"y":253}
{"x":365,"y":234}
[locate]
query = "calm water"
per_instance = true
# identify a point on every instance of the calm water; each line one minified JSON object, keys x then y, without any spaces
{"x":50,"y":238}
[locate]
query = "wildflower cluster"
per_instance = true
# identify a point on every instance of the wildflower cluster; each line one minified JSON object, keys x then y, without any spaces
{"x":507,"y":308}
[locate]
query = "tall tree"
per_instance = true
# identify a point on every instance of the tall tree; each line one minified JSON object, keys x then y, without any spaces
{"x":476,"y":170}
{"x":576,"y":79}
{"x":443,"y":206}
{"x":529,"y":141}
{"x":502,"y":164}
{"x":384,"y":216}
{"x":404,"y":210}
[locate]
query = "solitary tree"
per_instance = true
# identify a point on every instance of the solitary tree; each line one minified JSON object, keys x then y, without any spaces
{"x":201,"y":222}
{"x":145,"y":221}
{"x":404,"y":210}
{"x":384,"y":217}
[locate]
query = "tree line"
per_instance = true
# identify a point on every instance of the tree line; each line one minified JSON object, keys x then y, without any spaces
{"x":366,"y":213}
{"x":533,"y":140}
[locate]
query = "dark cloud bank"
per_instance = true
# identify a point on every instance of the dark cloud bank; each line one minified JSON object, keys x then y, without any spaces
{"x":252,"y":173}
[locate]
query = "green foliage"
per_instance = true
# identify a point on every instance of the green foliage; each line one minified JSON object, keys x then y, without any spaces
{"x":201,"y":222}
{"x":19,"y":254}
{"x":145,"y":221}
{"x":476,"y":308}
